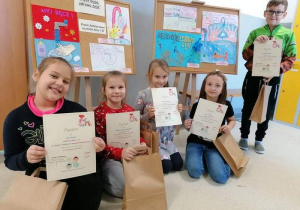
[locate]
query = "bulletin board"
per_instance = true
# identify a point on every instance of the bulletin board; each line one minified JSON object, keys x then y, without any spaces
{"x":74,"y":30}
{"x":196,"y":38}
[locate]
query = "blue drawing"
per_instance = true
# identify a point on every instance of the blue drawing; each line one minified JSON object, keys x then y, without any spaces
{"x":178,"y":49}
{"x":219,"y":38}
{"x":51,"y":48}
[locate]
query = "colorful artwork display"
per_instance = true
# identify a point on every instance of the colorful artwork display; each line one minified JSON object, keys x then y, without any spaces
{"x":56,"y":34}
{"x":178,"y":49}
{"x":179,"y":17}
{"x":219,"y":36}
{"x":107,"y":57}
{"x":118,"y":24}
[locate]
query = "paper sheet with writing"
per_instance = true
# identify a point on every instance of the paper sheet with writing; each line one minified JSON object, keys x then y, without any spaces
{"x":266,"y":58}
{"x":69,"y":144}
{"x":165,"y":102}
{"x":123,"y":129}
{"x":208,"y":119}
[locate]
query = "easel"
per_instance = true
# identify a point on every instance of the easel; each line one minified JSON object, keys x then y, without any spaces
{"x":185,"y":88}
{"x":85,"y":69}
{"x":88,"y":91}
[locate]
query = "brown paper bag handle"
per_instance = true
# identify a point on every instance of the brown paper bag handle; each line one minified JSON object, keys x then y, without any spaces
{"x":140,"y":147}
{"x":37,"y":171}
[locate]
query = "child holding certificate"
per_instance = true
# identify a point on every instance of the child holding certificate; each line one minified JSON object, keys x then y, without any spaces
{"x":158,"y":75}
{"x":199,"y":149}
{"x":274,"y":13}
{"x":23,"y":132}
{"x":114,"y":91}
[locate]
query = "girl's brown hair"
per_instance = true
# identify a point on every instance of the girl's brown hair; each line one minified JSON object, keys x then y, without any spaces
{"x":46,"y":62}
{"x":51,"y":60}
{"x":157,"y":63}
{"x":222,"y":97}
{"x":105,"y":79}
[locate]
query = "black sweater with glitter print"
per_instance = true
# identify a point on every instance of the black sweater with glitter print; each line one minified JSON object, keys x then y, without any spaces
{"x":22,"y":128}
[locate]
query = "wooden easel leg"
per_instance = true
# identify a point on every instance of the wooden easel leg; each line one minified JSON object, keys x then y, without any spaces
{"x":88,"y":94}
{"x":183,"y":98}
{"x":193,"y":90}
{"x":77,"y":89}
{"x":176,"y":80}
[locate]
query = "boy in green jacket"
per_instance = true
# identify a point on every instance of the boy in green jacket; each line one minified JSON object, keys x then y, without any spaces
{"x":274,"y":13}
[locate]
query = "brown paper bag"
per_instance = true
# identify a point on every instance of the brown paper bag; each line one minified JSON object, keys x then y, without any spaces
{"x":144,"y":183}
{"x":232,"y":153}
{"x":259,"y":111}
{"x":150,"y":136}
{"x":33,"y":193}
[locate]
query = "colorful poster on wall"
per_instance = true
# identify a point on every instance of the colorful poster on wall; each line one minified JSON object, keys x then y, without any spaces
{"x":118,"y":24}
{"x":56,"y":34}
{"x":178,"y":49}
{"x":107,"y":57}
{"x":179,"y":17}
{"x":219,"y":35}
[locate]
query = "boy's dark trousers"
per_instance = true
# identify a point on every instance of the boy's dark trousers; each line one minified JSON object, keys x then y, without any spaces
{"x":250,"y":92}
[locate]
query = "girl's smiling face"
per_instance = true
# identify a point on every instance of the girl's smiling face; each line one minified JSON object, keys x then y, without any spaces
{"x":213,"y":87}
{"x":53,"y":83}
{"x":115,"y":92}
{"x":159,"y":78}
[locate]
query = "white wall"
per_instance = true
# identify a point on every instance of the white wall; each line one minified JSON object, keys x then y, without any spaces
{"x":254,"y":7}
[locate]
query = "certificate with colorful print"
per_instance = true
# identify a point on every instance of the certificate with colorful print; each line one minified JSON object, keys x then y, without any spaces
{"x":208,"y":119}
{"x":69,"y":144}
{"x":123,"y":129}
{"x":165,"y":102}
{"x":267,"y":58}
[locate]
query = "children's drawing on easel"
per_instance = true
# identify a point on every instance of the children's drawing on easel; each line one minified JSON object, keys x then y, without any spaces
{"x":179,"y":18}
{"x":56,"y":34}
{"x":178,"y":49}
{"x":107,"y":57}
{"x":118,"y":24}
{"x":219,"y":36}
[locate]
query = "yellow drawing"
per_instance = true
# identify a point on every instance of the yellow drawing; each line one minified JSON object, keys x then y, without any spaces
{"x":72,"y":32}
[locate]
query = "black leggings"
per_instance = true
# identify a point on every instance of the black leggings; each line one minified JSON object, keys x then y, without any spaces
{"x":84,"y":192}
{"x":175,"y":163}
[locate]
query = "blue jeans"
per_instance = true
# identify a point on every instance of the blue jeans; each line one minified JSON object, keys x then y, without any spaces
{"x":217,"y":167}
